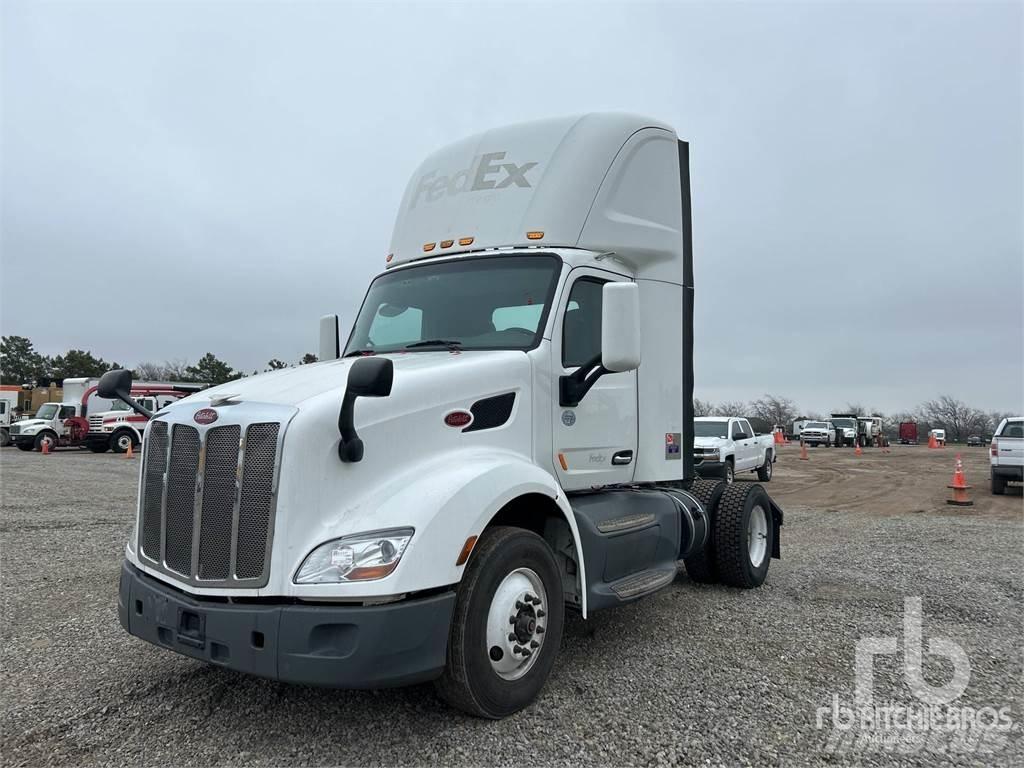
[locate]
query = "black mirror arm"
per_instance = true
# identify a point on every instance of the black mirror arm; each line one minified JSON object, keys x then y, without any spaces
{"x":350,"y":449}
{"x":574,"y":387}
{"x":134,"y":405}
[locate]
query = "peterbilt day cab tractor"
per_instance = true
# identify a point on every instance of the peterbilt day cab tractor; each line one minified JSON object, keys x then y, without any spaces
{"x":506,"y":434}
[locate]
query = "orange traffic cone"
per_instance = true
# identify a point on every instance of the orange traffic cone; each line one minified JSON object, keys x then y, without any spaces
{"x":130,"y":453}
{"x":46,"y":447}
{"x":932,"y":442}
{"x":857,"y":451}
{"x":803,"y":451}
{"x":959,"y":486}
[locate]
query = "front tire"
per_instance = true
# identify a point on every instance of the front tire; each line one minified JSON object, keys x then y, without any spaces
{"x":119,"y":441}
{"x":504,"y":635}
{"x":744,"y":534}
{"x":729,"y":473}
{"x":764,"y":472}
{"x":5,"y":438}
{"x":45,"y":437}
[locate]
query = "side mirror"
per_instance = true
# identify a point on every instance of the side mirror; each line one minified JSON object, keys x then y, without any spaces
{"x":117,"y":385}
{"x":330,"y":342}
{"x":368,"y":377}
{"x":620,"y":327}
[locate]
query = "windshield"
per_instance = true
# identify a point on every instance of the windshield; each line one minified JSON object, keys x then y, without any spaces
{"x":846,"y":423}
{"x":711,"y":428}
{"x":47,"y":411}
{"x":119,"y":405}
{"x":483,"y":303}
{"x":815,"y":425}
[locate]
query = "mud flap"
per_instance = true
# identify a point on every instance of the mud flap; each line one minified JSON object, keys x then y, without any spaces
{"x":776,"y":529}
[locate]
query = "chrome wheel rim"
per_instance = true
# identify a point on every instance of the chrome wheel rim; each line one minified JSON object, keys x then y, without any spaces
{"x":123,"y":442}
{"x":728,"y":473}
{"x":757,"y":535}
{"x":768,"y":467}
{"x":515,"y":624}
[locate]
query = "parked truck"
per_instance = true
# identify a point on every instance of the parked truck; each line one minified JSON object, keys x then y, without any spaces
{"x":817,"y":433}
{"x":908,"y":433}
{"x":1006,"y":454}
{"x":8,"y":402}
{"x":84,"y":418}
{"x":723,"y":446}
{"x":847,"y":426}
{"x":508,"y":433}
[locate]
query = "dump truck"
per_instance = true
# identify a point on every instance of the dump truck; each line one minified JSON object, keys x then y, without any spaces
{"x":506,"y":434}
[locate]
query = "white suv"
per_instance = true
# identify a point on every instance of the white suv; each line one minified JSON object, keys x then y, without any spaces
{"x":1006,"y":456}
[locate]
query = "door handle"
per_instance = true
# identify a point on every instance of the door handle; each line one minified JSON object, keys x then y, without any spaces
{"x":621,"y":458}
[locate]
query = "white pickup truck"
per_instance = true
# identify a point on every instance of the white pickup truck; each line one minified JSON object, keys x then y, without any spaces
{"x":1006,"y":456}
{"x":723,"y":446}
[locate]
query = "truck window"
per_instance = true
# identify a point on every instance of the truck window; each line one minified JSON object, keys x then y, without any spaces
{"x":3,"y":407}
{"x":581,"y":328}
{"x":479,"y":303}
{"x":737,"y":431}
{"x":1013,"y":429}
{"x":66,"y":411}
{"x":745,"y":426}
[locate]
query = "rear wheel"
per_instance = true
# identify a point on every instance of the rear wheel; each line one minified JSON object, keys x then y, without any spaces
{"x":764,"y":472}
{"x":700,"y":566}
{"x":743,"y":536}
{"x":122,"y":440}
{"x":507,"y":625}
{"x":998,"y":485}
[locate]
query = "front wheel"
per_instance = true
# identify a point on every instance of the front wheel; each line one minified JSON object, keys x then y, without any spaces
{"x":507,"y":625}
{"x":764,"y":472}
{"x":743,"y":536}
{"x":729,"y":473}
{"x":121,"y":441}
{"x":25,"y":446}
{"x":49,"y":439}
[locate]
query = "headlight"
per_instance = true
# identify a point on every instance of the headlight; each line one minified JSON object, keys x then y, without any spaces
{"x":362,"y":557}
{"x":711,"y":454}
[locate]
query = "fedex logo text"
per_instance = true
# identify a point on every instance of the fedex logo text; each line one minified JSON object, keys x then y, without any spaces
{"x":485,"y":172}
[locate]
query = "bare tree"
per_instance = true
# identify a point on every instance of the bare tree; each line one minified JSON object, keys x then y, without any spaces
{"x":734,"y":408}
{"x":952,"y":415}
{"x":149,"y":371}
{"x":773,"y":409}
{"x":176,"y":370}
{"x":702,"y":407}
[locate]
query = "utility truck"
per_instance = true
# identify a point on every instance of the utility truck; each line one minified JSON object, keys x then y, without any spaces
{"x":723,"y":446}
{"x":8,"y":402}
{"x":506,"y":434}
{"x":84,"y":418}
{"x":847,"y":426}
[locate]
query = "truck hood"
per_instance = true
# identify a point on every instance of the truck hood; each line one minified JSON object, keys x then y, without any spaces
{"x":294,"y":386}
{"x":29,"y":423}
{"x":710,"y":442}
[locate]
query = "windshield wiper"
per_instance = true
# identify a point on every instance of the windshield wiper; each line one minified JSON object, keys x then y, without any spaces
{"x":448,"y":343}
{"x":360,"y":352}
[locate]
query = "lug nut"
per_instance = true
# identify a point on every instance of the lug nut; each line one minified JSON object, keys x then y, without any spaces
{"x":520,"y":605}
{"x":518,"y":649}
{"x":540,"y":630}
{"x":540,"y":614}
{"x":511,"y":619}
{"x":527,"y":653}
{"x":534,"y":644}
{"x":511,"y":638}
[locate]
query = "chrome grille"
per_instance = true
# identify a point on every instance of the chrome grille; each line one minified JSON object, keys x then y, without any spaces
{"x":207,"y":501}
{"x":96,"y":423}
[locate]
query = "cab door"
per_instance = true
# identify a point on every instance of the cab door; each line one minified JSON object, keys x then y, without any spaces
{"x":746,"y":449}
{"x":595,"y":442}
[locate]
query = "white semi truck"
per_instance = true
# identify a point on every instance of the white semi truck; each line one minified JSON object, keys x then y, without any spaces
{"x":507,"y":433}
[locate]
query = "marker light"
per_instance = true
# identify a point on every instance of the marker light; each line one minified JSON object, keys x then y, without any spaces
{"x":465,"y":241}
{"x":534,"y":235}
{"x":362,"y":557}
{"x":447,"y":243}
{"x":428,"y":247}
{"x":389,"y":258}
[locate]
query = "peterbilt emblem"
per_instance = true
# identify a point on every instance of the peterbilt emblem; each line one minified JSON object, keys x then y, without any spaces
{"x":205,"y":416}
{"x":458,"y":419}
{"x":568,"y":418}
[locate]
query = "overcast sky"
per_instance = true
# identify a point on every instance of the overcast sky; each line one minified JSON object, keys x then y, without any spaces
{"x":180,"y":178}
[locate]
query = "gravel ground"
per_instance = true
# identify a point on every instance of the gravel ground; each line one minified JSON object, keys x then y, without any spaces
{"x":695,"y":674}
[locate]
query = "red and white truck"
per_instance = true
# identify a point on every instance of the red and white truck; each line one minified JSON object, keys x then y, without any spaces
{"x":84,"y":419}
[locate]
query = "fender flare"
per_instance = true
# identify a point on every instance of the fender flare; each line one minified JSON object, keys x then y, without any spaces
{"x":455,"y":497}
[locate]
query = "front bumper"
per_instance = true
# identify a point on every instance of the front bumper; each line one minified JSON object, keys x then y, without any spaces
{"x":339,"y":646}
{"x":708,"y":468}
{"x":1010,"y":473}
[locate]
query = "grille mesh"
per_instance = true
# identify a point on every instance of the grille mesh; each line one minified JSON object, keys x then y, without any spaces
{"x":181,"y":497}
{"x":255,"y":502}
{"x":211,"y":528}
{"x":220,"y":470}
{"x":153,"y":488}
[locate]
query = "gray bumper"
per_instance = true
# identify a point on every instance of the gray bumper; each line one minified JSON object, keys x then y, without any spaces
{"x":709,"y":468}
{"x":338,"y":646}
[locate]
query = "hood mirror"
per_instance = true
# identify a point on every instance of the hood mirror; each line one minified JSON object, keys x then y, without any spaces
{"x":368,"y":377}
{"x":330,"y":341}
{"x":117,"y":385}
